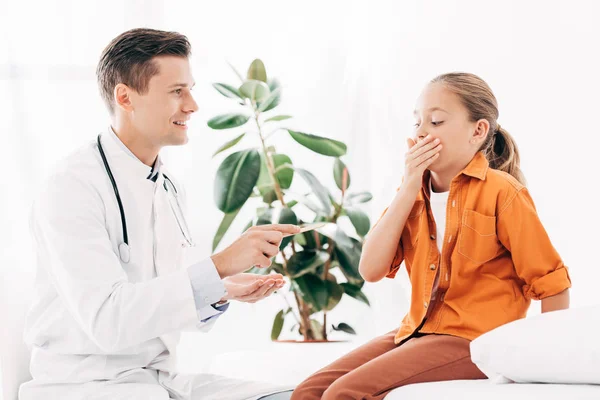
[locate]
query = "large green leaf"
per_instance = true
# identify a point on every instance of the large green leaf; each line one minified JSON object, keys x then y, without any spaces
{"x":257,"y":71}
{"x":284,"y":170}
{"x":277,"y":325}
{"x":318,"y":144}
{"x":360,"y":220}
{"x":338,"y":174}
{"x":344,"y":327}
{"x":355,"y":292}
{"x":312,"y":289}
{"x":228,"y":121}
{"x":284,"y":176}
{"x":235,"y":179}
{"x":349,"y":259}
{"x":255,"y":90}
{"x":273,"y":84}
{"x":229,"y":144}
{"x":335,"y":292}
{"x":278,"y":216}
{"x":306,"y":261}
{"x":362,"y":197}
{"x":347,"y":251}
{"x":270,"y":102}
{"x":278,"y":118}
{"x":308,"y":202}
{"x":223,"y":227}
{"x":318,"y":189}
{"x":228,"y":90}
{"x":309,"y":239}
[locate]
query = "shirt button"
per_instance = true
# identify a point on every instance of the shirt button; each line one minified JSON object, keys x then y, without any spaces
{"x":425,"y":304}
{"x":432,"y":267}
{"x":453,"y":203}
{"x":432,"y":237}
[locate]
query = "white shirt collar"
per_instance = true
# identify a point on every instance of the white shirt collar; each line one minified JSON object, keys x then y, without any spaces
{"x":156,"y":168}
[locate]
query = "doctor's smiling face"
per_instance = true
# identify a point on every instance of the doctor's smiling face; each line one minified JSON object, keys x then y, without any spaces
{"x":162,"y":112}
{"x":145,"y":80}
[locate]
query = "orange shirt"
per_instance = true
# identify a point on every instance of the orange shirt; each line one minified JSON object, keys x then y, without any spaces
{"x":496,"y":256}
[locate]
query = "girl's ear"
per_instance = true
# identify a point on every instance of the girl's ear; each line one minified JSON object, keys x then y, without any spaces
{"x":482,"y":128}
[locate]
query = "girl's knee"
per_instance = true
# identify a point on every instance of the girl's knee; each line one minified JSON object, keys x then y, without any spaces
{"x":342,"y":389}
{"x":307,"y":390}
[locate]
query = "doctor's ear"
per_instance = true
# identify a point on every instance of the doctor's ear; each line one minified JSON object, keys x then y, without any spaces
{"x":122,"y":94}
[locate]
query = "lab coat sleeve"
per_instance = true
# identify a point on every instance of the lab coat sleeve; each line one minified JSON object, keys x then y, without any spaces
{"x":68,"y":223}
{"x":208,"y":289}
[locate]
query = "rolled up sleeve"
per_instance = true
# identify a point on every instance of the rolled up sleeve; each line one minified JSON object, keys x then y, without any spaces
{"x":535,"y":259}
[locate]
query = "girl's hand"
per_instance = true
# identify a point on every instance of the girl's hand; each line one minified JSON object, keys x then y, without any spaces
{"x":419,"y":157}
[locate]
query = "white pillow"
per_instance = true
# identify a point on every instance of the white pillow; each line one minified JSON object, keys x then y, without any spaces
{"x":556,"y":347}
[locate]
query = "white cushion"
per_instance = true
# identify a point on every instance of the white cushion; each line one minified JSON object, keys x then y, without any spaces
{"x":556,"y":347}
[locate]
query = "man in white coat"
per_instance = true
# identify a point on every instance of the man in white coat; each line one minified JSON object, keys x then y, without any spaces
{"x":118,"y":277}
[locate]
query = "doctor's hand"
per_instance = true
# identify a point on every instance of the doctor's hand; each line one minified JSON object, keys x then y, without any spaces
{"x":255,"y":247}
{"x":250,"y":288}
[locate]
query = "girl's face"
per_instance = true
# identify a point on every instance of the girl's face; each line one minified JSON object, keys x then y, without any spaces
{"x":440,"y":113}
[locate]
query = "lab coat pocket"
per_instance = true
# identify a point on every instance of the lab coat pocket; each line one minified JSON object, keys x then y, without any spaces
{"x":478,"y":240}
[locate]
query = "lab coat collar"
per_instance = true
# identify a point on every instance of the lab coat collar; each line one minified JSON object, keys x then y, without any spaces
{"x":118,"y":151}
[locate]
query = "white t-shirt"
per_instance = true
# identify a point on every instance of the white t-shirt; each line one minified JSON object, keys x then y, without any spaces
{"x":438,"y":208}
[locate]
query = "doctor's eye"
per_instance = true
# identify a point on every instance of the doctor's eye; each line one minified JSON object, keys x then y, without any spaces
{"x":177,"y":91}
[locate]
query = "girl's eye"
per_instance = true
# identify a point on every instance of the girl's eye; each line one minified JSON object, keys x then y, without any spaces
{"x":436,"y":123}
{"x":417,"y":125}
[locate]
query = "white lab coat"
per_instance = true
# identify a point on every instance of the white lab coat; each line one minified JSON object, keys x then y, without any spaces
{"x":100,"y":328}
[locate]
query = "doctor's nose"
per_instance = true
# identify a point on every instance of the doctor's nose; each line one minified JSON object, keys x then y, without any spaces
{"x":190,"y":106}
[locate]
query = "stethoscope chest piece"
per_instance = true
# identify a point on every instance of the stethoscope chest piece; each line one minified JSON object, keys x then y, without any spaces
{"x":124,"y":253}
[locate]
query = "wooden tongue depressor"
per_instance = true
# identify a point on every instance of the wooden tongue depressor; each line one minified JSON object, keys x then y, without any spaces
{"x":308,"y":227}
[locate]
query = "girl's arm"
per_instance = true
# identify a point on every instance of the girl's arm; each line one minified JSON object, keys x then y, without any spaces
{"x":535,"y":259}
{"x":557,"y":302}
{"x":380,"y":249}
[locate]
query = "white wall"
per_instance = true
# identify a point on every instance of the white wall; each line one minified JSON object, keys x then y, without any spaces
{"x":350,"y":70}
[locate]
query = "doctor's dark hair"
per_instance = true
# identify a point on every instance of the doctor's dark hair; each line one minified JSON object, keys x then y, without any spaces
{"x":128,"y":59}
{"x":499,"y":147}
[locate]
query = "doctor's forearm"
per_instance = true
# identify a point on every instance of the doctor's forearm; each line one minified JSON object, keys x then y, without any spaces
{"x":557,"y":302}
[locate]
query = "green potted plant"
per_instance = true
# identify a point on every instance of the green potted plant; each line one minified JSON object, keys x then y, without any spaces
{"x":262,"y":176}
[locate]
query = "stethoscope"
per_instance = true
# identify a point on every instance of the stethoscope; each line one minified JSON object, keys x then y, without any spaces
{"x":124,"y":250}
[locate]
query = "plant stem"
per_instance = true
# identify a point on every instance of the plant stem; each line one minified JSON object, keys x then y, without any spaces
{"x":304,"y":322}
{"x":330,"y":243}
{"x":270,"y":164}
{"x":290,"y":307}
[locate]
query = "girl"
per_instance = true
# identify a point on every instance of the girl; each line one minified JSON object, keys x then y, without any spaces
{"x":475,"y":250}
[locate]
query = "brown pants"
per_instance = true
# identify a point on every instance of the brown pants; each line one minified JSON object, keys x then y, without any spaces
{"x":374,"y":369}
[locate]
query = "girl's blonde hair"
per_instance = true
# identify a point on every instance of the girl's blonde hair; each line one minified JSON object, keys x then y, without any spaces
{"x":499,"y":146}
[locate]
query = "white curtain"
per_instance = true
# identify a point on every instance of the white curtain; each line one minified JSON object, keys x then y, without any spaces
{"x":351,"y":71}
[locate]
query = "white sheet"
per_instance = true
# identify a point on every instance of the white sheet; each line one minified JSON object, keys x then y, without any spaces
{"x":486,"y":390}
